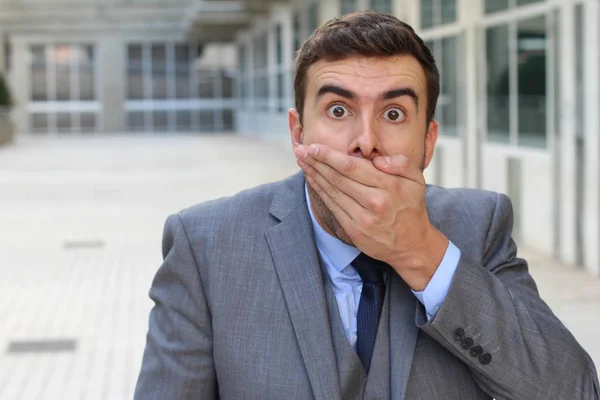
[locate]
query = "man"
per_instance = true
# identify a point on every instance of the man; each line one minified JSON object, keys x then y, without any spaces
{"x":359,"y":281}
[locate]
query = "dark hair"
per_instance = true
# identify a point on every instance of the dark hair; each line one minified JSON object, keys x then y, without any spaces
{"x":368,"y":34}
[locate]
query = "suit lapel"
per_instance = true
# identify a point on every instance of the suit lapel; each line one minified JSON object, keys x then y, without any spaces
{"x":403,"y":334}
{"x":297,"y":265}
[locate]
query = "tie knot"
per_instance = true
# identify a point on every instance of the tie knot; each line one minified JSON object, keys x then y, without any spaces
{"x":369,"y":269}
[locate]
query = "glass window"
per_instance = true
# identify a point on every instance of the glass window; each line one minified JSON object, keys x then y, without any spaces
{"x":206,"y":84}
{"x":207,"y":120}
{"x":261,"y":81}
{"x":448,"y":8}
{"x":278,"y":44}
{"x":347,"y":6}
{"x":437,"y":12}
{"x":280,"y":92}
{"x":87,"y":84}
{"x":523,"y":2}
{"x":491,"y":6}
{"x":449,"y":87}
{"x":297,"y":31}
{"x":227,"y":84}
{"x":183,"y":120}
{"x":182,"y":71}
{"x":242,"y":58}
{"x":61,"y":56}
{"x":135,"y":76}
{"x":445,"y":52}
{"x":384,"y":6}
{"x":159,"y":71}
{"x":427,"y":18}
{"x":39,"y":122}
{"x":87,"y":122}
{"x":228,"y":120}
{"x":39,"y":90}
{"x":63,"y":122}
{"x":260,"y":51}
{"x":246,"y":88}
{"x":531,"y":65}
{"x":498,"y":84}
{"x":135,"y":121}
{"x":160,"y":121}
{"x":495,"y":5}
{"x":7,"y":55}
{"x":313,"y":18}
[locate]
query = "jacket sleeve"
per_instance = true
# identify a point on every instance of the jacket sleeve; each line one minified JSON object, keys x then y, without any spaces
{"x":494,"y":321}
{"x":178,"y":360}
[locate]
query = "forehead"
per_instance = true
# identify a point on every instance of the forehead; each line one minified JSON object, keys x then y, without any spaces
{"x":365,"y":74}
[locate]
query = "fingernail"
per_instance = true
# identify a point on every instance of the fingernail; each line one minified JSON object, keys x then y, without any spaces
{"x":387,"y":160}
{"x":313,"y":149}
{"x":300,"y":152}
{"x":302,"y":164}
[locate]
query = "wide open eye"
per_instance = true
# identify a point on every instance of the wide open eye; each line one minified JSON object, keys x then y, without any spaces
{"x":394,"y":114}
{"x":337,"y":111}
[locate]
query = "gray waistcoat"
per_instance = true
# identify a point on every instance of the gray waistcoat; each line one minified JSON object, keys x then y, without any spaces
{"x":354,"y":383}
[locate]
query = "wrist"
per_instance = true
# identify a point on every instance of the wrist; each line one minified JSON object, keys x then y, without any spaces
{"x":418,"y":266}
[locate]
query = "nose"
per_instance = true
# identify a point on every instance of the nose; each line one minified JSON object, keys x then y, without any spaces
{"x":366,"y":142}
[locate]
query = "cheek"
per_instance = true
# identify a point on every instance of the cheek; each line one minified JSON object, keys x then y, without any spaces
{"x":334,"y":134}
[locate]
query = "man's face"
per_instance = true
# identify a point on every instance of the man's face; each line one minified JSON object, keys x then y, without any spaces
{"x":366,"y":107}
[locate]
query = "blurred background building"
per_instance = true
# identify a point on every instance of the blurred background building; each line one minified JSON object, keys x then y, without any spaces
{"x":518,"y":108}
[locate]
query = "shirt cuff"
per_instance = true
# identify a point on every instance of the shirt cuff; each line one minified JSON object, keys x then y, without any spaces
{"x":434,"y":294}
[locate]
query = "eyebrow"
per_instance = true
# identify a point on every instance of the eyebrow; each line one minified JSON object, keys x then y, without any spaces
{"x":323,"y":90}
{"x":388,"y":95}
{"x":392,"y":94}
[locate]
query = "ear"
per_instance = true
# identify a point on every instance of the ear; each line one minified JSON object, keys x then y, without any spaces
{"x":431,"y":138}
{"x":295,"y":127}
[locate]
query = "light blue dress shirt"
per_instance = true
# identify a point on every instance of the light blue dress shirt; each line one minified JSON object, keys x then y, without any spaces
{"x":347,"y":284}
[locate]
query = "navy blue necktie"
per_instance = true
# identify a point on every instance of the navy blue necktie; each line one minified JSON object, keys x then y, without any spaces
{"x":370,"y":306}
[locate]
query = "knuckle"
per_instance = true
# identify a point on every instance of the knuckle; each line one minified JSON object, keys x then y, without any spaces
{"x":336,"y":178}
{"x":375,"y":204}
{"x":334,"y":192}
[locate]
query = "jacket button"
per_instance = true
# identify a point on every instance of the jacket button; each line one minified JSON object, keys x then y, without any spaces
{"x":466,"y":343}
{"x":485,"y":358}
{"x":458,"y":334}
{"x":476,"y":351}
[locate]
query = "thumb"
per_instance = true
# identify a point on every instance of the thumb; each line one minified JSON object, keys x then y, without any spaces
{"x":399,"y":165}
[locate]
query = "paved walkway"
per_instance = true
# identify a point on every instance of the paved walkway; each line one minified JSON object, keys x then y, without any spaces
{"x":81,"y":222}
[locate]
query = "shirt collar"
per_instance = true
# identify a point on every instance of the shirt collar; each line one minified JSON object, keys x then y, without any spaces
{"x":336,"y":253}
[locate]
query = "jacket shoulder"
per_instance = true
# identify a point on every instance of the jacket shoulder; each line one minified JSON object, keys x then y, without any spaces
{"x":467,"y":216}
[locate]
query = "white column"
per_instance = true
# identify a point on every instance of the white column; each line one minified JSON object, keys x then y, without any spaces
{"x":272,"y":65}
{"x":591,"y":60}
{"x":567,"y":128}
{"x":284,"y":13}
{"x":407,"y":11}
{"x":328,"y":9}
{"x":110,"y":66}
{"x":468,"y":16}
{"x":362,"y":5}
{"x":2,"y":48}
{"x":20,"y":79}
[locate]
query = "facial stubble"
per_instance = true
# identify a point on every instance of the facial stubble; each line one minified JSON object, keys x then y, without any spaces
{"x":327,"y":219}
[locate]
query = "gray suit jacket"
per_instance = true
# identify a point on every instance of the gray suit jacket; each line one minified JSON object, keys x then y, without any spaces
{"x":240,"y":310}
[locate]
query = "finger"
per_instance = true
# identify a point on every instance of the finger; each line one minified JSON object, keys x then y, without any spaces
{"x":332,"y":182}
{"x":358,"y":169}
{"x":341,"y":214}
{"x":349,"y":204}
{"x":400,"y":165}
